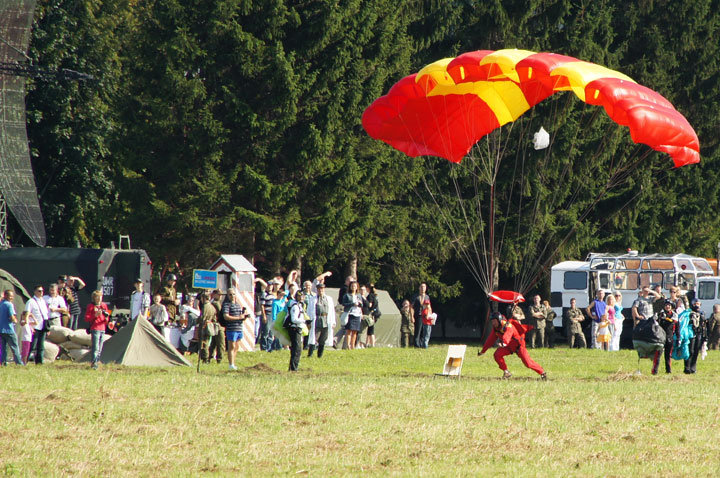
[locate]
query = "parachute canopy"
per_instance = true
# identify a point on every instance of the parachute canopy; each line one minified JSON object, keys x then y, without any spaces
{"x":449,"y":105}
{"x":506,"y":296}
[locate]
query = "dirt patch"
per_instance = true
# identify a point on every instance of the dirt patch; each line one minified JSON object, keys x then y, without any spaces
{"x":261,"y":367}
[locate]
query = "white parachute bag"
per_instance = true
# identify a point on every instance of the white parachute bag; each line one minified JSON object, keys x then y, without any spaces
{"x":541,"y":139}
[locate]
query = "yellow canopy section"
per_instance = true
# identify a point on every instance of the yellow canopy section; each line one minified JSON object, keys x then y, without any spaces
{"x":580,"y":73}
{"x":506,"y":60}
{"x":505,"y":98}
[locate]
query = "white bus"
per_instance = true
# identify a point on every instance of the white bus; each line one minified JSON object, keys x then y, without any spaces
{"x":627,"y":274}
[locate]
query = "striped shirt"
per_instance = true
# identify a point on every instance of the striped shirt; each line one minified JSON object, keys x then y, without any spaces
{"x":235,"y":310}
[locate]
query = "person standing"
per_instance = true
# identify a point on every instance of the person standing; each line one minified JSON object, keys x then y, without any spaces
{"x":56,"y":305}
{"x":324,"y":318}
{"x":538,"y":312}
{"x":71,"y":285}
{"x":37,"y":313}
{"x":234,"y":315}
{"x":158,"y":314}
{"x":597,"y":313}
{"x":169,"y":296}
{"x":619,"y":319}
{"x":8,"y":337}
{"x":667,"y":318}
{"x":417,"y":304}
{"x":352,"y":303}
{"x":374,"y":307}
{"x":407,"y":324}
{"x":217,"y":341}
{"x":713,"y":328}
{"x":97,"y":316}
{"x":643,"y":306}
{"x":266,"y":335}
{"x":575,"y":319}
{"x":207,"y":326}
{"x":294,"y":310}
{"x":699,"y":327}
{"x":428,"y":320}
{"x":549,"y":340}
{"x":139,"y":301}
{"x":308,"y":297}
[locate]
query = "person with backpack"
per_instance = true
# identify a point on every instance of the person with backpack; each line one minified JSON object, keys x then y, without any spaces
{"x":649,"y":341}
{"x":667,"y":318}
{"x":295,"y":321}
{"x":217,"y":341}
{"x":698,"y":324}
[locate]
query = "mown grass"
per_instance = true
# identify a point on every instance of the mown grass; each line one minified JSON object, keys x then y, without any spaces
{"x":377,"y":412}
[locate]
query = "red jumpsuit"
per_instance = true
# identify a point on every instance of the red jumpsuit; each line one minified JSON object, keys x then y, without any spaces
{"x":513,"y":339}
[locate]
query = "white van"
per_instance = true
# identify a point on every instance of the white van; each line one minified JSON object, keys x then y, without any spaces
{"x":708,"y":291}
{"x":627,"y":274}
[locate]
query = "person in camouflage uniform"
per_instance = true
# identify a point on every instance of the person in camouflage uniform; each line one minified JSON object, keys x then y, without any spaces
{"x":208,"y":326}
{"x":549,"y":341}
{"x":713,"y":328}
{"x":217,"y":342}
{"x":538,"y":312}
{"x":575,"y":317}
{"x":169,"y":298}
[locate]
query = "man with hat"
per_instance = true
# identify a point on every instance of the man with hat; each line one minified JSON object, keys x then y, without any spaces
{"x":324,"y":318}
{"x":139,"y":301}
{"x":168,"y":296}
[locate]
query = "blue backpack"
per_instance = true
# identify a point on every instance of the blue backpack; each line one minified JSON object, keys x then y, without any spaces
{"x":683,"y":335}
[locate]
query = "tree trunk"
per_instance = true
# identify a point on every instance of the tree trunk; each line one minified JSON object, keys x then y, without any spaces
{"x":351,"y":269}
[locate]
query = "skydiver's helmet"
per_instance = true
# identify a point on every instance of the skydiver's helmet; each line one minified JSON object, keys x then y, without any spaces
{"x":171,"y":277}
{"x":670,"y":303}
{"x":498,"y":321}
{"x":695,"y":304}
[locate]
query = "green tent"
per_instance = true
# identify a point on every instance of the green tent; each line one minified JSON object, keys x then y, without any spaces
{"x":139,"y":344}
{"x":387,"y":328}
{"x":8,"y":281}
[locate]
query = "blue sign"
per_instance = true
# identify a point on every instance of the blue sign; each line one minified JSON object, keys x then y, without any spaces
{"x":204,"y":279}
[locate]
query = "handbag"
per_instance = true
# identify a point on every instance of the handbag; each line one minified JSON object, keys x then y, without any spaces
{"x":369,"y":320}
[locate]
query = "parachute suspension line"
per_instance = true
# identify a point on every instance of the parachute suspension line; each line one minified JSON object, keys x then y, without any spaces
{"x":632,"y":199}
{"x":456,"y":240}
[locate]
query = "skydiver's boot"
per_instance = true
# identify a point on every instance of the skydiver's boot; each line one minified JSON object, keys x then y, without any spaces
{"x":506,"y":374}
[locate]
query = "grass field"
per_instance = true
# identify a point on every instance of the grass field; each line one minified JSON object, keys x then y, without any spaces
{"x":377,"y":412}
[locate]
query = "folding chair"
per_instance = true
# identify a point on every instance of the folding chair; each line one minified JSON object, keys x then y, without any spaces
{"x":453,"y":362}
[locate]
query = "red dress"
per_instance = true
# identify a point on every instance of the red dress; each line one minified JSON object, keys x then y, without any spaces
{"x":513,"y":339}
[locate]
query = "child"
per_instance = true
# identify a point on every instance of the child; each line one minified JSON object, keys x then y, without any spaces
{"x":26,"y":335}
{"x":603,"y":333}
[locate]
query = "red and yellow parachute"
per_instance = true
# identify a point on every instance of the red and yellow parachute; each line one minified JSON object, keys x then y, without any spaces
{"x":445,"y":108}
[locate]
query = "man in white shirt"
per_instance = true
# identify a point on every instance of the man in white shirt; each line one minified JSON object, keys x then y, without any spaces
{"x":56,"y":305}
{"x":36,"y":312}
{"x":139,"y":301}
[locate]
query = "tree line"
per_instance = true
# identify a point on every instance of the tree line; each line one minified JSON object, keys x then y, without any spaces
{"x":235,"y":127}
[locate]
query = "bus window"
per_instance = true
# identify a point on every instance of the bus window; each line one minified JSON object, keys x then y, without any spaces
{"x":602,"y":263}
{"x":684,"y":265}
{"x":631,"y":264}
{"x":706,"y":290}
{"x":686,"y":281}
{"x":575,"y":280}
{"x":650,"y":279}
{"x":626,"y":280}
{"x":604,"y":281}
{"x":702,"y":265}
{"x":658,"y":264}
{"x":669,"y":280}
